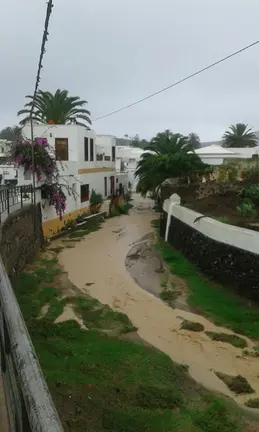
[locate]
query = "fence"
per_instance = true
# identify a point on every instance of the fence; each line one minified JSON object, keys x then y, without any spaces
{"x":13,"y":198}
{"x":29,"y":403}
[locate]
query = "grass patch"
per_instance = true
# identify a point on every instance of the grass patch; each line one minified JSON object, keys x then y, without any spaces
{"x":90,"y":226}
{"x":101,"y":383}
{"x":192,"y":326}
{"x":168,"y":295}
{"x":253,"y":403}
{"x":237,"y":384}
{"x":232,"y":339}
{"x":210,"y":299}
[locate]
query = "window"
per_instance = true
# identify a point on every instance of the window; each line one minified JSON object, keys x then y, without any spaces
{"x":91,"y":149}
{"x":86,"y":150}
{"x":113,"y":153}
{"x":61,"y":149}
{"x":84,"y":193}
{"x":105,"y":186}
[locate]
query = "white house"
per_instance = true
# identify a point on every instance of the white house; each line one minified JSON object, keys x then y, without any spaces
{"x":215,"y":154}
{"x":87,"y":161}
{"x":130,"y":156}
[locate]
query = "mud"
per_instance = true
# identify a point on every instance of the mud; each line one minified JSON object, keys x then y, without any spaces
{"x":100,"y":259}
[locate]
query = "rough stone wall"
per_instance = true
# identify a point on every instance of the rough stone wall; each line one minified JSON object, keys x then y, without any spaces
{"x":230,"y":266}
{"x":192,"y":192}
{"x":19,"y":242}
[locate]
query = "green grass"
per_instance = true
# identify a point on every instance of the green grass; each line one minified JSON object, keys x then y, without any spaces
{"x":192,"y":326}
{"x":232,"y":339}
{"x":101,"y":383}
{"x":237,"y":384}
{"x":91,"y":225}
{"x":212,"y":300}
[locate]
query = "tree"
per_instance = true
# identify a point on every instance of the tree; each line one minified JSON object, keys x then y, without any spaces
{"x":168,"y":155}
{"x":139,"y":143}
{"x":239,"y":135}
{"x":168,"y":142}
{"x":57,"y":108}
{"x":194,"y":140}
{"x":10,"y":133}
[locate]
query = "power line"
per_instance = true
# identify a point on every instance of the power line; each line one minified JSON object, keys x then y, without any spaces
{"x":42,"y":52}
{"x":178,"y":82}
{"x":37,"y":82}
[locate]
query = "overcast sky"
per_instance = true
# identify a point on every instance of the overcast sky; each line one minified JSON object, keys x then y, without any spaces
{"x":112,"y":52}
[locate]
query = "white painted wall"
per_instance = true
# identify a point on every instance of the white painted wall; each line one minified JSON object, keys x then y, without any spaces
{"x":69,"y":170}
{"x":229,"y":234}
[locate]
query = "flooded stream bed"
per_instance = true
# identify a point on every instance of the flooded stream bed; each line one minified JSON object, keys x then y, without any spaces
{"x":116,"y":266}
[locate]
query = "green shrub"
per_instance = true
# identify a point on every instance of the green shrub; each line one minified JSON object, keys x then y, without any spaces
{"x":251,"y":191}
{"x":96,"y":198}
{"x":246,"y":209}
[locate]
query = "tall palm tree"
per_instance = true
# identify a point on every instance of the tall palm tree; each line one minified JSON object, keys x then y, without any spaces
{"x":194,"y":140}
{"x":239,"y":135}
{"x":57,"y":108}
{"x":168,"y":142}
{"x":168,"y":155}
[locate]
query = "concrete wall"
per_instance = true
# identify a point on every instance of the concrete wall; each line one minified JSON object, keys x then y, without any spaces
{"x":226,"y":253}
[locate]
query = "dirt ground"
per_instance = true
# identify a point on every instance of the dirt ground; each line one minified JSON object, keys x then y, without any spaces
{"x":224,"y":207}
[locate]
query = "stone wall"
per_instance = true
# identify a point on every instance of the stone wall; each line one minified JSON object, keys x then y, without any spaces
{"x":19,"y":241}
{"x":223,"y":263}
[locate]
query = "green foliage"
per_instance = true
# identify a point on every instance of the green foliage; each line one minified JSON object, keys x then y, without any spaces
{"x":81,"y":217}
{"x":192,"y":326}
{"x":96,"y":198}
{"x":232,"y":339}
{"x":167,"y":156}
{"x":10,"y":133}
{"x":139,"y":143}
{"x":239,"y":135}
{"x":246,"y":209}
{"x":210,"y":299}
{"x":228,"y":172}
{"x":251,"y":191}
{"x":194,"y":140}
{"x":69,"y":224}
{"x":58,"y":108}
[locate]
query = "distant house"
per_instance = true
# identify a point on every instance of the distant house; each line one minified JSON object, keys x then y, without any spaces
{"x":215,"y":154}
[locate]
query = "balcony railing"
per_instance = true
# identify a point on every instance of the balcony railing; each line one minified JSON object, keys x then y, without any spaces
{"x":13,"y":198}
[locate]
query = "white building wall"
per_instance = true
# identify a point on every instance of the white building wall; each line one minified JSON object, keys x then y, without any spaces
{"x":76,"y":171}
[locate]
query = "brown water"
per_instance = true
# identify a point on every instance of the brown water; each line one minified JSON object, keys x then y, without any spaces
{"x":99,"y":260}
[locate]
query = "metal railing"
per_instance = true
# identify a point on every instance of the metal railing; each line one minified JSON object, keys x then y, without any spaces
{"x":13,"y":198}
{"x":29,"y":403}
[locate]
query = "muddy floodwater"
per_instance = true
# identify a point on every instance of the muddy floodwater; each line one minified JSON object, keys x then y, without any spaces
{"x":107,"y":265}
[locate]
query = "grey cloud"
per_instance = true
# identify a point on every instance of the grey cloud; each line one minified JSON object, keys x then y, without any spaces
{"x":114,"y":52}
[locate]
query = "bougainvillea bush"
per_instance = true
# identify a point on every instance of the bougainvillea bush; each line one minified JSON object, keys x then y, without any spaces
{"x":44,"y":167}
{"x":44,"y":160}
{"x":53,"y":192}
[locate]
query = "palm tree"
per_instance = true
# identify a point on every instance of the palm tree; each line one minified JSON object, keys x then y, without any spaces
{"x":239,"y":135}
{"x":57,"y":108}
{"x":168,"y":143}
{"x":194,"y":140}
{"x":168,"y":155}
